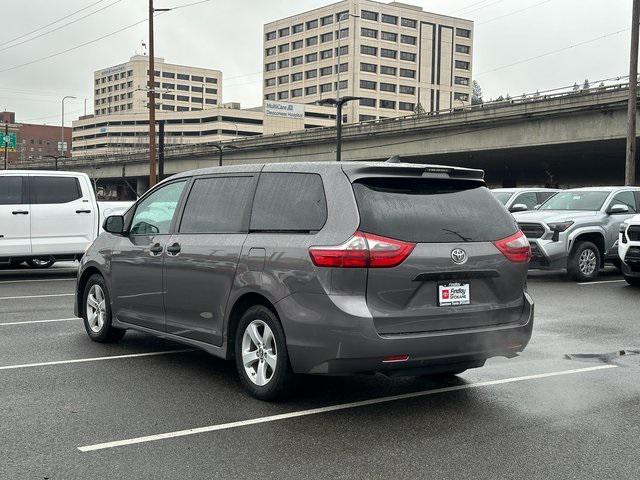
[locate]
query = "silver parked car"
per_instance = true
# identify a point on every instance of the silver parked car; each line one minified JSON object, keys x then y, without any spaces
{"x":320,"y":268}
{"x":578,"y":229}
{"x":523,"y":199}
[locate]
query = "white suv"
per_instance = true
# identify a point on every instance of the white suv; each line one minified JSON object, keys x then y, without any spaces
{"x":629,"y":250}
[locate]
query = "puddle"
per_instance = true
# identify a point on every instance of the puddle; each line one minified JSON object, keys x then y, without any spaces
{"x":621,"y":356}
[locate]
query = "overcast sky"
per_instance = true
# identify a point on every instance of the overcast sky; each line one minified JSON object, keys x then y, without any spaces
{"x":506,"y":32}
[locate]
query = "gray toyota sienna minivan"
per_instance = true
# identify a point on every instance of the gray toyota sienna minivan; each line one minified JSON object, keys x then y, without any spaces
{"x":319,"y":268}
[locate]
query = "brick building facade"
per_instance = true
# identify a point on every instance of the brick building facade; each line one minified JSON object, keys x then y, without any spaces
{"x":34,"y":141}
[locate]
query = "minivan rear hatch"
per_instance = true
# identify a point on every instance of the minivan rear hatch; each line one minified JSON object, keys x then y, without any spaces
{"x":455,"y":277}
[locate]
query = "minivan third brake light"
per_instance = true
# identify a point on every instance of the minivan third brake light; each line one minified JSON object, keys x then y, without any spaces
{"x":515,"y":247}
{"x":362,"y":250}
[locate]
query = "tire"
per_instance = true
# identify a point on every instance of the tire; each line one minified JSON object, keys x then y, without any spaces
{"x":267,"y":374}
{"x":98,"y":326}
{"x":633,"y":281}
{"x":584,"y":262}
{"x":40,"y":263}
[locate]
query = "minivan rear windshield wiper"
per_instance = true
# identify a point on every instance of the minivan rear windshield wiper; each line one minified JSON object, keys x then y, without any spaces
{"x":462,"y":237}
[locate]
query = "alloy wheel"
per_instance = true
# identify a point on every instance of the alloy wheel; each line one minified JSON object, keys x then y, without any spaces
{"x":96,"y":308}
{"x":259,"y":352}
{"x":587,"y":262}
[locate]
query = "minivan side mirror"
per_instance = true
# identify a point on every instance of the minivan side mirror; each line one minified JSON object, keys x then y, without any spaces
{"x":114,"y":224}
{"x":518,"y":207}
{"x":618,"y":208}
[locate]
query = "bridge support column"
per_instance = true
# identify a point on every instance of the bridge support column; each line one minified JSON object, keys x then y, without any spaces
{"x":142,"y":185}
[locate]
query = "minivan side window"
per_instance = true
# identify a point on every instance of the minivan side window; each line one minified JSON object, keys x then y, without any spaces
{"x":49,"y":190}
{"x":288,"y":202}
{"x":11,"y":190}
{"x":625,"y":198}
{"x":218,"y":205}
{"x":154,"y":214}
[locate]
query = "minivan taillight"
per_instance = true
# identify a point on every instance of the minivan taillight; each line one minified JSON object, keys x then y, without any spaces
{"x":362,"y":250}
{"x":515,"y":247}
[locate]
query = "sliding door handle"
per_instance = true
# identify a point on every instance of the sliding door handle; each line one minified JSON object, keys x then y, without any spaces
{"x":156,"y":249}
{"x":20,"y":212}
{"x":173,"y":249}
{"x":83,"y":211}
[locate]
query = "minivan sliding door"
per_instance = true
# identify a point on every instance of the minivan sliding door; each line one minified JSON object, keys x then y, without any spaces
{"x":201,"y":257}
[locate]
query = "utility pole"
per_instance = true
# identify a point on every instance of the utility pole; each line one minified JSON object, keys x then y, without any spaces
{"x":161,"y":150}
{"x":152,"y":103}
{"x":152,"y":97}
{"x":630,"y":164}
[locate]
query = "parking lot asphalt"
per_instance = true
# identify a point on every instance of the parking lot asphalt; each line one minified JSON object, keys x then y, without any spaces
{"x":71,"y":408}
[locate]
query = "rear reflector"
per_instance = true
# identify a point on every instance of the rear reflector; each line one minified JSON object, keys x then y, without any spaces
{"x":362,"y":250}
{"x":395,"y":358}
{"x":516,"y":247}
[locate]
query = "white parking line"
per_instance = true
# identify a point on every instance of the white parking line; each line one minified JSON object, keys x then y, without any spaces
{"x":2,"y":282}
{"x":602,"y":281}
{"x":332,"y":408}
{"x":94,"y":359}
{"x":38,"y":296}
{"x":26,"y":322}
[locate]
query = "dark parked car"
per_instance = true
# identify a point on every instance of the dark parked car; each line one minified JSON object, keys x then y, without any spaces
{"x":320,"y":268}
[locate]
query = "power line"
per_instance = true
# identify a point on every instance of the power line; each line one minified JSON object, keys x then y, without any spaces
{"x":514,"y":12}
{"x":553,"y":52}
{"x":483,"y":6}
{"x":469,"y":6}
{"x":60,"y":27}
{"x":62,"y":52}
{"x":49,"y":24}
{"x":48,"y":116}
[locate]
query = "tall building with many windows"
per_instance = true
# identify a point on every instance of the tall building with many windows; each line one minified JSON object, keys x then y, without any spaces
{"x":178,"y":88}
{"x":397,"y":57}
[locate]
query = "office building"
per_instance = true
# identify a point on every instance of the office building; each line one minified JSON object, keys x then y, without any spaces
{"x":397,"y":57}
{"x":178,"y":88}
{"x":33,"y":141}
{"x":128,"y":132}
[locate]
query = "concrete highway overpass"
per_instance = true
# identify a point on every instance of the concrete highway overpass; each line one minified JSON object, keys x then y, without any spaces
{"x":567,"y":139}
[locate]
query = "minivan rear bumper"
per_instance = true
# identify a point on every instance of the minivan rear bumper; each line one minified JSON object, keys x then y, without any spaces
{"x":336,"y":335}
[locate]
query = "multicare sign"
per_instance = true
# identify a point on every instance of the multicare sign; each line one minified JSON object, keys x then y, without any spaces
{"x":293,"y":111}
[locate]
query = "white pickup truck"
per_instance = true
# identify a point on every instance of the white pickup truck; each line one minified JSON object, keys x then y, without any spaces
{"x":46,"y":216}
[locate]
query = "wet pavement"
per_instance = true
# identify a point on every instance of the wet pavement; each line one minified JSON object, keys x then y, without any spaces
{"x":568,"y":407}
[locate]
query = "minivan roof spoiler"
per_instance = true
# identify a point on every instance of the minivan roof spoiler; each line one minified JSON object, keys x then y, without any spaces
{"x":394,"y":167}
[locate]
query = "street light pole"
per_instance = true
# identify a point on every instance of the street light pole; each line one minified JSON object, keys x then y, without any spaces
{"x":630,"y":162}
{"x":339,"y":103}
{"x":219,"y":147}
{"x":62,"y":149}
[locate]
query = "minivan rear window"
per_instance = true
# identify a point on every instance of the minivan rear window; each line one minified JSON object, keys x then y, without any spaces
{"x":431,"y":211}
{"x":289,"y":202}
{"x":218,"y":205}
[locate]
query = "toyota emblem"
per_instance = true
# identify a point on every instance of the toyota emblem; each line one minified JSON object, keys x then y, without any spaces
{"x":458,"y":256}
